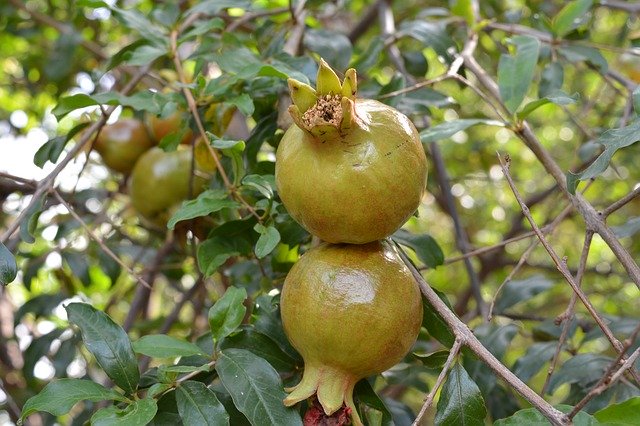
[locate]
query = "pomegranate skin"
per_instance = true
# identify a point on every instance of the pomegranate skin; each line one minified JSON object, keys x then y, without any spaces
{"x":351,"y":311}
{"x":359,"y":186}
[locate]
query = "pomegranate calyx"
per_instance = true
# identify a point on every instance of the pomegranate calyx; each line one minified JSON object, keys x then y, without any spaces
{"x":328,"y":111}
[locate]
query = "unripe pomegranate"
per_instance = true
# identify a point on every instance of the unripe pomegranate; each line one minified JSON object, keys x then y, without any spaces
{"x":349,"y":170}
{"x":351,"y":311}
{"x":121,"y":144}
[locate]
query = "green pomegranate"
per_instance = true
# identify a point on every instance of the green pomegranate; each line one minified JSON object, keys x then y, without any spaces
{"x":351,"y":311}
{"x":160,"y":182}
{"x":349,"y":170}
{"x":120,"y":144}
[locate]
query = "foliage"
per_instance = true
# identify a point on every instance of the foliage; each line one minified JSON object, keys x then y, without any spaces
{"x":107,"y":318}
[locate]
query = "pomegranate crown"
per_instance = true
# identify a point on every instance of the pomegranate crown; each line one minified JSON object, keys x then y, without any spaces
{"x":328,"y":110}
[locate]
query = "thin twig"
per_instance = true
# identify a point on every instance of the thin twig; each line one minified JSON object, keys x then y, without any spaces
{"x":443,"y":373}
{"x":567,"y":315}
{"x":466,"y":336}
{"x":621,"y":202}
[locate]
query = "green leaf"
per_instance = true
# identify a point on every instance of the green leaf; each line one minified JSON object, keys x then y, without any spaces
{"x":213,"y":252}
{"x":59,"y":396}
{"x":8,"y":266}
{"x":426,"y":248}
{"x":334,"y":47}
{"x":432,"y":34}
{"x":227,"y":313}
{"x":517,"y":291}
{"x":570,"y":16}
{"x":515,"y":73}
{"x":449,"y":128}
{"x":434,"y":323}
{"x":140,"y":413}
{"x":576,"y":53}
{"x":163,"y":346}
{"x":533,"y":360}
{"x":108,"y":342}
{"x":145,"y":54}
{"x":434,"y":359}
{"x":582,"y":368}
{"x":626,"y":413}
{"x":261,"y":345}
{"x":69,"y":103}
{"x":628,"y":229}
{"x":460,"y":400}
{"x":551,"y":79}
{"x":533,"y":417}
{"x":269,"y":239}
{"x":198,"y":405}
{"x":244,"y":104}
{"x":256,"y":388}
{"x":612,"y":140}
{"x":145,"y":100}
{"x":30,"y":221}
{"x":210,"y":201}
{"x":558,"y":98}
{"x":365,"y":394}
{"x":636,"y":99}
{"x":260,"y":183}
{"x":464,"y":8}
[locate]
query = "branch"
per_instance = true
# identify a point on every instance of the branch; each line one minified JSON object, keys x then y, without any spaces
{"x":631,"y":7}
{"x":432,"y":393}
{"x":466,"y":336}
{"x":560,"y":264}
{"x":45,"y":185}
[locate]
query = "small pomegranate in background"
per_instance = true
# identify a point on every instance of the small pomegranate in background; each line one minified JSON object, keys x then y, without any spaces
{"x":351,"y":311}
{"x":121,"y":144}
{"x":349,"y":170}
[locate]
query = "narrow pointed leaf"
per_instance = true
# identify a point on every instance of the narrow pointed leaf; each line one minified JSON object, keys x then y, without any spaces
{"x":163,"y":346}
{"x":8,"y":266}
{"x":256,"y":388}
{"x":515,"y":73}
{"x":227,"y":313}
{"x":198,"y":405}
{"x":460,"y":403}
{"x":108,"y":342}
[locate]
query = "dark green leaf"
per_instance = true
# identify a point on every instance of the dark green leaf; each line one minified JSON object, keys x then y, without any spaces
{"x":548,"y":330}
{"x":626,"y":413}
{"x":434,"y":323}
{"x":198,"y":405}
{"x":426,"y":248}
{"x":260,"y":183}
{"x":460,"y":401}
{"x":433,"y":359}
{"x":628,"y":229}
{"x":210,"y":201}
{"x":267,"y":321}
{"x":570,"y":16}
{"x":269,"y":239}
{"x":50,"y":151}
{"x":163,"y":346}
{"x":582,"y":368}
{"x":533,"y":417}
{"x":244,"y":104}
{"x":212,"y":253}
{"x":264,"y":347}
{"x":612,"y":140}
{"x":78,"y":263}
{"x":517,"y":291}
{"x":227,"y":313}
{"x":533,"y":360}
{"x":108,"y":342}
{"x":334,"y":47}
{"x":551,"y":79}
{"x":431,"y":34}
{"x":367,"y":59}
{"x":364,"y":393}
{"x":30,"y":221}
{"x":39,"y":306}
{"x":139,"y":413}
{"x":255,"y":387}
{"x":576,"y":53}
{"x":8,"y":266}
{"x":59,"y":396}
{"x":515,"y":73}
{"x":69,"y":103}
{"x":558,"y":98}
{"x":449,"y":128}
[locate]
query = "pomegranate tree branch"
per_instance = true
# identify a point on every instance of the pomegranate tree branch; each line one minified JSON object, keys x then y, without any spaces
{"x":45,"y":185}
{"x":462,"y":332}
{"x":561,"y":264}
{"x":591,"y":217}
{"x":443,"y":373}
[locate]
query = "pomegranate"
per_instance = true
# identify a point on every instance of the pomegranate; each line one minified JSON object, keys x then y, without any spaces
{"x":348,"y":170}
{"x":121,"y":144}
{"x":351,"y":311}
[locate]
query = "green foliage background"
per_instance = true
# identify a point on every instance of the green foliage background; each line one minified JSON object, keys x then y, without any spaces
{"x":208,"y":331}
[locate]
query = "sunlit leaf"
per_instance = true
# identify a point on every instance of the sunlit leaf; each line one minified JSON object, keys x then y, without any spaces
{"x":515,"y":73}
